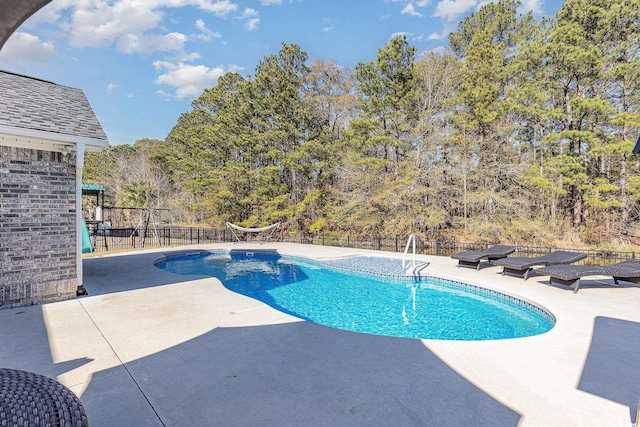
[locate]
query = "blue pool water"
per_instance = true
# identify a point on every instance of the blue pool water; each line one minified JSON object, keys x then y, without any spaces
{"x":430,"y":308}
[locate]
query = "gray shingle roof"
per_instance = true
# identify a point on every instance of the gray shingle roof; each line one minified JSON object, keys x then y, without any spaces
{"x":34,"y":104}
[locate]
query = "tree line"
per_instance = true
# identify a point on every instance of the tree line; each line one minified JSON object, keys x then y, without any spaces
{"x":520,"y":130}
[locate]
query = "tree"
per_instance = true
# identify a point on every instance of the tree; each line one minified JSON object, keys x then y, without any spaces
{"x":488,"y":44}
{"x":386,"y":87}
{"x":575,"y":60}
{"x":622,"y":72}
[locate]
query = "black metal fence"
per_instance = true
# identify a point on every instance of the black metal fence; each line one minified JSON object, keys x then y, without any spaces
{"x":117,"y":239}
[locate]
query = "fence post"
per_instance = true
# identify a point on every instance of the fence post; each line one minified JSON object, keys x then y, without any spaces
{"x":378,"y":243}
{"x":396,"y":244}
{"x":348,"y":244}
{"x":437,"y":248}
{"x":322,"y":239}
{"x":633,"y":254}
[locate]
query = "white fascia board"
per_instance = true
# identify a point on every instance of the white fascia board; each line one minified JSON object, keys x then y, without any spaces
{"x":50,"y":141}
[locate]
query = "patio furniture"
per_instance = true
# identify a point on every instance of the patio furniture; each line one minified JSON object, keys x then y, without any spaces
{"x":570,"y":275}
{"x":272,"y":227}
{"x":29,"y":399}
{"x":521,"y":266}
{"x":627,"y":271}
{"x":473,"y":258}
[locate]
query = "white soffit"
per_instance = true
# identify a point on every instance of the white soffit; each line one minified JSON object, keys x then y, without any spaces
{"x":49,"y":141}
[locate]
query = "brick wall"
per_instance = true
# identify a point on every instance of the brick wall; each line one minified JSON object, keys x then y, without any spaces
{"x":37,"y":227}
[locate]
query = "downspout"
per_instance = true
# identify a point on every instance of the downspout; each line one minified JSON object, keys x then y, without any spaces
{"x":79,"y":166}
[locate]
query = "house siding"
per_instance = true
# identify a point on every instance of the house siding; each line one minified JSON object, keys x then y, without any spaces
{"x":37,"y":227}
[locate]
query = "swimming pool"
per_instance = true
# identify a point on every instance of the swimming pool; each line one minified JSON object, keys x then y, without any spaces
{"x":427,"y":308}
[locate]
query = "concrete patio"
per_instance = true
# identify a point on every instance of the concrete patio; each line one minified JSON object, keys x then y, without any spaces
{"x":151,"y":348}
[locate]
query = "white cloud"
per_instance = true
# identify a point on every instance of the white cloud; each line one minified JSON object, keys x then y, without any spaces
{"x":146,"y":44}
{"x":103,"y":25}
{"x":205,"y":33}
{"x":50,"y":13}
{"x":251,"y":24}
{"x":221,"y":8}
{"x":327,"y":25}
{"x":448,"y":28}
{"x":410,"y":10}
{"x":165,"y":95}
{"x":438,"y":49}
{"x":21,"y":49}
{"x":534,"y":6}
{"x":249,"y":13}
{"x":252,"y":19}
{"x":452,"y":9}
{"x":187,"y":80}
{"x":202,"y":26}
{"x":131,"y":26}
{"x":185,"y":57}
{"x":112,"y":86}
{"x":400,"y":34}
{"x":410,"y":7}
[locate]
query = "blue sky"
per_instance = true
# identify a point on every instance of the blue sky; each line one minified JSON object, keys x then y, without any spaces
{"x":142,"y":62}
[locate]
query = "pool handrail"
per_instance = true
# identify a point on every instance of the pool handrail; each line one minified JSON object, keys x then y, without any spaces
{"x":412,"y":238}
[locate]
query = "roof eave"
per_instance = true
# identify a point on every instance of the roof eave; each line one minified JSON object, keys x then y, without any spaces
{"x":50,"y":141}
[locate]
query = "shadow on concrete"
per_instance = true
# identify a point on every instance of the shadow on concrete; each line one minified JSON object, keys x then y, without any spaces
{"x":129,"y":272}
{"x":612,"y":369}
{"x":296,"y":374}
{"x":585,"y":283}
{"x":24,"y":339}
{"x":105,"y":275}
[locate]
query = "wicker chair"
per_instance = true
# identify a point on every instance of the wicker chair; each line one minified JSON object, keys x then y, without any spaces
{"x":521,"y":266}
{"x":28,"y":399}
{"x":570,"y":275}
{"x":473,"y":258}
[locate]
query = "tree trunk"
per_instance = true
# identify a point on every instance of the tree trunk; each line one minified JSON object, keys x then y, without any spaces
{"x":624,"y":207}
{"x":577,"y":205}
{"x":464,"y":199}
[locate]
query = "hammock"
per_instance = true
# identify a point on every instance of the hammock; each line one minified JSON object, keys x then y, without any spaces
{"x":271,"y":227}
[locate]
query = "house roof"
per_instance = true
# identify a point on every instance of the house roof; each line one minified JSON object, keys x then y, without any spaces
{"x":30,"y":103}
{"x":38,"y":110}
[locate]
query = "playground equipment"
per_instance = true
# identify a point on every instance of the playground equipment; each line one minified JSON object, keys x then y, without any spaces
{"x":99,"y":225}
